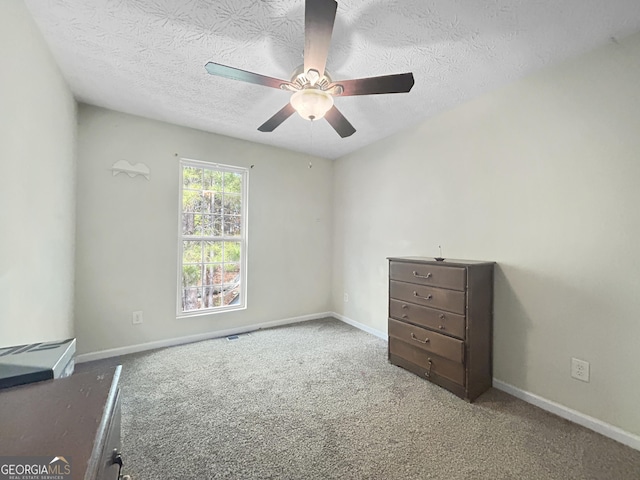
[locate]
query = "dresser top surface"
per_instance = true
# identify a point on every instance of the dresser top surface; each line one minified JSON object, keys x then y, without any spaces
{"x":56,"y":417}
{"x":450,"y":262}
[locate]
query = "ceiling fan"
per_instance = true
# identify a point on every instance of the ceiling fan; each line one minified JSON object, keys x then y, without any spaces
{"x":312,"y":87}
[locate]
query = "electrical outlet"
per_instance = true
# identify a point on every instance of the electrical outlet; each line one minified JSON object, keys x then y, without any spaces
{"x":580,"y":369}
{"x":137,"y":318}
{"x":346,"y":297}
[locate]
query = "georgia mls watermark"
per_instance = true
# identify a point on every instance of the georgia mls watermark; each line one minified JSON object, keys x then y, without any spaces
{"x":35,"y":468}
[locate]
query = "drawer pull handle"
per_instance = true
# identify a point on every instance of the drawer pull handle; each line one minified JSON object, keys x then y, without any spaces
{"x":404,"y":315}
{"x":404,"y":306}
{"x":116,"y":459}
{"x":416,"y":274}
{"x":428,"y":372}
{"x":426,"y":340}
{"x":428,"y":297}
{"x":441,"y":327}
{"x":442,"y":316}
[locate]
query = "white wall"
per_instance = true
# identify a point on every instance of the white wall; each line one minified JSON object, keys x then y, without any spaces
{"x":128,"y":228}
{"x":542,"y":177}
{"x":37,"y":185}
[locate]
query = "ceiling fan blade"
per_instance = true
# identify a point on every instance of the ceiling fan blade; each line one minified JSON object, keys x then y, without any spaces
{"x":339,"y":123}
{"x":398,"y":83}
{"x":275,"y":121}
{"x":319,"y":17}
{"x":243,"y":75}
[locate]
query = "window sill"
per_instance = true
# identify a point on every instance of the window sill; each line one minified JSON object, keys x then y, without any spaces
{"x":213,"y":311}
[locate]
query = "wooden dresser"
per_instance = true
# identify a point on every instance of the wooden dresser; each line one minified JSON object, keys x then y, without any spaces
{"x":77,"y":418}
{"x":441,"y":321}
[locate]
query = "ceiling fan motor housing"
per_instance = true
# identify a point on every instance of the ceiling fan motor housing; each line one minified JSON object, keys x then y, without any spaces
{"x":303,"y":79}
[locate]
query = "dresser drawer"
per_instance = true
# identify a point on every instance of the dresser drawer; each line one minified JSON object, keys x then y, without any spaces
{"x":108,"y":469}
{"x":445,"y":322}
{"x":427,"y":340}
{"x":433,"y":364}
{"x":426,"y":274}
{"x":440,"y":298}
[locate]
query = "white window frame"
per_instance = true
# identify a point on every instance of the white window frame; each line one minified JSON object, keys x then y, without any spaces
{"x":243,"y":239}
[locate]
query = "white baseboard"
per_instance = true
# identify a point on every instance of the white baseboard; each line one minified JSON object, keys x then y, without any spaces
{"x":360,"y":326}
{"x":574,"y":416}
{"x":171,"y":342}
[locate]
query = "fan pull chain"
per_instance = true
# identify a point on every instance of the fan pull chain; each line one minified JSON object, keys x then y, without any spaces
{"x":311,"y":129}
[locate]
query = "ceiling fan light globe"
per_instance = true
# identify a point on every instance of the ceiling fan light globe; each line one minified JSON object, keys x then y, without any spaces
{"x":311,"y":103}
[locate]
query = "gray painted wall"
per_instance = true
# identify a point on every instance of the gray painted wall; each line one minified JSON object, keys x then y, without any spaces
{"x":37,"y":185}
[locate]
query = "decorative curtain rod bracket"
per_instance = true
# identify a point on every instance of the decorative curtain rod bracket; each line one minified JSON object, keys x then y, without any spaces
{"x":122,"y":166}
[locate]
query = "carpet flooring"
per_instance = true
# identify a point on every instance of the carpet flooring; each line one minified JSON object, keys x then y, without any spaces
{"x":319,"y":400}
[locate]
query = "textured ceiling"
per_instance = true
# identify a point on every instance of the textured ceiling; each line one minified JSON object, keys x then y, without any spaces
{"x":147,"y":57}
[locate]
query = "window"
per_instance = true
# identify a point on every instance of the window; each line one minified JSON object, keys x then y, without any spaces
{"x":213,"y":238}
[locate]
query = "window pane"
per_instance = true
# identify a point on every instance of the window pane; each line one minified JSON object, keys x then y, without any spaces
{"x":192,"y":178}
{"x":191,"y":224}
{"x":211,"y":226}
{"x":191,"y":252}
{"x":191,"y":275}
{"x":231,"y":273}
{"x":216,"y":204}
{"x":191,"y":298}
{"x":231,"y":296}
{"x":232,"y":204}
{"x":213,"y":180}
{"x":231,"y":286}
{"x":231,"y":251}
{"x":212,"y":252}
{"x":207,"y":202}
{"x":192,"y":201}
{"x":232,"y":225}
{"x":232,"y":182}
{"x":212,"y":297}
{"x":213,"y":274}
